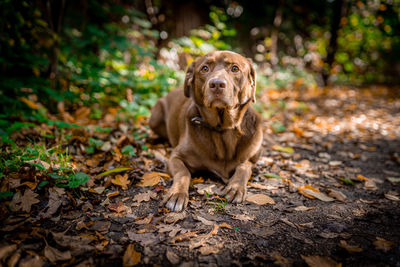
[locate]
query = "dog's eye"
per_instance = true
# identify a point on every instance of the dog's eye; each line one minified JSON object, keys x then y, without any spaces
{"x":204,"y":69}
{"x":235,"y":68}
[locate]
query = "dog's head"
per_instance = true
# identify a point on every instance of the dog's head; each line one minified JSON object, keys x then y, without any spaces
{"x":221,"y":80}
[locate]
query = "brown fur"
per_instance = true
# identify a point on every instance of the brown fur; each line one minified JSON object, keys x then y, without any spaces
{"x":227,"y":138}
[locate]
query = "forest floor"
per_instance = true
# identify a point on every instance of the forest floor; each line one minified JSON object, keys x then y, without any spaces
{"x":325,"y":192}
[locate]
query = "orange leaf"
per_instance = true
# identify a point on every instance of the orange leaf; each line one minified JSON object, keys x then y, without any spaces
{"x":152,"y":178}
{"x":121,"y":181}
{"x":131,"y":256}
{"x":197,"y":180}
{"x":30,"y":103}
{"x":363,"y":178}
{"x":302,"y":190}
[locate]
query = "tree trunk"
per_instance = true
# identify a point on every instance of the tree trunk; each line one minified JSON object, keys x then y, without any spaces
{"x":274,"y":35}
{"x":55,"y":12}
{"x":339,"y":10}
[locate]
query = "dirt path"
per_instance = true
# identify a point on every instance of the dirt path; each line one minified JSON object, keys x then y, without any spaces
{"x":330,"y":178}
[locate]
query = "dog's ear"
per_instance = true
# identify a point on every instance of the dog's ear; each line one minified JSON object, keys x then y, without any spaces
{"x":252,"y":80}
{"x":189,"y":79}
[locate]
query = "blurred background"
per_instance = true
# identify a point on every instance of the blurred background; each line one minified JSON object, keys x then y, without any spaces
{"x":59,"y":54}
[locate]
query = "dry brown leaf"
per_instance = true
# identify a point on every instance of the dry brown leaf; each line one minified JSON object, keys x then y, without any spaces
{"x":131,"y":256}
{"x":121,"y":180}
{"x":172,"y":257}
{"x":260,"y":199}
{"x":7,"y":250}
{"x":54,"y":255}
{"x":392,"y":197}
{"x":31,"y":185}
{"x":29,"y":103}
{"x":303,"y":208}
{"x":183,"y":237}
{"x":320,"y":261}
{"x":261,"y":186}
{"x":113,"y":194}
{"x":350,"y":248}
{"x":152,"y":178}
{"x":243,"y":217}
{"x":311,"y":192}
{"x":118,"y":207}
{"x":337,"y":195}
{"x":207,"y":250}
{"x":145,"y":220}
{"x":35,"y":261}
{"x":27,"y":200}
{"x":54,"y":202}
{"x":382,"y":244}
{"x":174,"y":217}
{"x":197,"y":180}
{"x":145,"y":196}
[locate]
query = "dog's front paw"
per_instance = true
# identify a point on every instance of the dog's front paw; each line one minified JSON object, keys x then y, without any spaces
{"x":235,"y":192}
{"x":176,"y":201}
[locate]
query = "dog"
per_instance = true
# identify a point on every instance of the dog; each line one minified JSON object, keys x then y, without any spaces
{"x":211,"y":125}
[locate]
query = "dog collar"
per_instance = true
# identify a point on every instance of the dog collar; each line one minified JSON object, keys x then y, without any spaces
{"x":198,"y":121}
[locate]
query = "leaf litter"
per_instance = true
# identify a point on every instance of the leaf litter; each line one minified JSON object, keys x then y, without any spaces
{"x":310,"y":170}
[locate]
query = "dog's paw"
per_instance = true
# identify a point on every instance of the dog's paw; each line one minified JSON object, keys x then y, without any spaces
{"x":235,"y":192}
{"x":176,"y":201}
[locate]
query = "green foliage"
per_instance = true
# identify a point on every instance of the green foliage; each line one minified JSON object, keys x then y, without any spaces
{"x":215,"y":36}
{"x":128,"y":150}
{"x":218,"y":203}
{"x":40,"y":157}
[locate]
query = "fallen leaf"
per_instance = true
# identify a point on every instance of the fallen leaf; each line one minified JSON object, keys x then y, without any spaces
{"x":29,"y":103}
{"x":7,"y":250}
{"x":335,"y":163}
{"x":31,"y":185}
{"x":349,"y":248}
{"x":279,"y":148}
{"x":392,"y":197}
{"x":319,"y":261}
{"x":54,"y":202}
{"x":328,"y":235}
{"x":98,"y":190}
{"x":210,"y":189}
{"x":393,"y":179}
{"x":197,"y":180}
{"x":145,"y":239}
{"x":337,"y":195}
{"x":203,"y":220}
{"x":144,"y":220}
{"x":152,"y":178}
{"x":262,"y":186}
{"x":35,"y":261}
{"x":303,"y":208}
{"x":131,"y":256}
{"x":101,"y":226}
{"x":113,"y":194}
{"x":207,"y":250}
{"x":115,"y":170}
{"x":174,"y":217}
{"x":121,"y":181}
{"x":243,"y":217}
{"x":54,"y":255}
{"x":311,"y":192}
{"x":27,"y":200}
{"x":118,"y":207}
{"x":145,"y":196}
{"x":183,"y":237}
{"x":271,"y":175}
{"x":382,"y":244}
{"x":260,"y":199}
{"x":172,"y":257}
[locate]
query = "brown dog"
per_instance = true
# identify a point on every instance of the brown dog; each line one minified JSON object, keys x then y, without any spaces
{"x":211,"y":125}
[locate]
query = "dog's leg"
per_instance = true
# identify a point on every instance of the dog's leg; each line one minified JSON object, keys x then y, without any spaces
{"x":157,"y":119}
{"x":237,"y":186}
{"x":178,"y":195}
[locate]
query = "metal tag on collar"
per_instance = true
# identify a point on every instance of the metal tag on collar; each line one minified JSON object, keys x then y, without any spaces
{"x":197,"y":120}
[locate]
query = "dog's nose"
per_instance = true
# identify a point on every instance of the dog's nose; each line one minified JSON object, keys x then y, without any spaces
{"x":217,"y":85}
